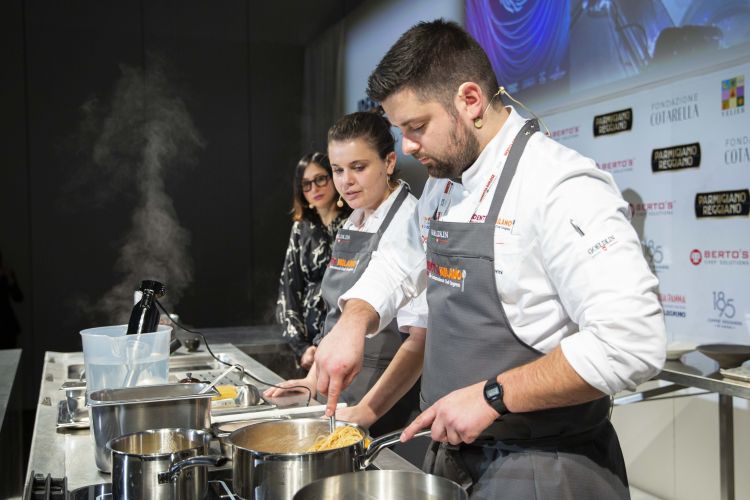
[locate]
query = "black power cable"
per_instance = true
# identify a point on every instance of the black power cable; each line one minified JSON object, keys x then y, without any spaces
{"x":164,"y":310}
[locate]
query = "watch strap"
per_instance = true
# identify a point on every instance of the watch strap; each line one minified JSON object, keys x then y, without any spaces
{"x":493,"y":395}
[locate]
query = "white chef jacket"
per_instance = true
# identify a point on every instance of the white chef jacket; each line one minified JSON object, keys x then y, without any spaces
{"x":414,"y":312}
{"x":568,"y":265}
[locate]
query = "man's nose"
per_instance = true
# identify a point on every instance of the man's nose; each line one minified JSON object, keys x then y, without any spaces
{"x":408,"y":146}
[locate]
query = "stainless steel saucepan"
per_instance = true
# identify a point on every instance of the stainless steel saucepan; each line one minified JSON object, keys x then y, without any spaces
{"x":270,"y":461}
{"x":162,"y":464}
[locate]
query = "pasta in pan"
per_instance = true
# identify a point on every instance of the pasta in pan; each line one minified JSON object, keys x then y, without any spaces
{"x":340,"y":438}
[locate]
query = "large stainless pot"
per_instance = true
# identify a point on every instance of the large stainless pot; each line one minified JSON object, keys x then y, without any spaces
{"x":115,"y":412}
{"x":161,"y":464}
{"x":382,"y":485}
{"x":268,"y":464}
{"x":222,"y":431}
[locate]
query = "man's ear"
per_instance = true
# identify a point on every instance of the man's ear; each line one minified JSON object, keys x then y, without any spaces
{"x":469,"y":100}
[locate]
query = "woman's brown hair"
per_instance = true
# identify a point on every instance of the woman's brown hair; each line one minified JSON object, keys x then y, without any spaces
{"x":300,"y":208}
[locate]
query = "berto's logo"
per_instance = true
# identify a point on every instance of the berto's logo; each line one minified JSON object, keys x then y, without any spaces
{"x":696,"y":257}
{"x":724,"y":305}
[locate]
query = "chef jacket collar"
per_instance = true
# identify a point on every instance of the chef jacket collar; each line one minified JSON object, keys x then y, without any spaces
{"x":357,"y":217}
{"x":494,"y":154}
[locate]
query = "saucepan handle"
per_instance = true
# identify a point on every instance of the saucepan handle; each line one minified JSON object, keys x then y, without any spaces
{"x":176,"y":468}
{"x":384,"y":441}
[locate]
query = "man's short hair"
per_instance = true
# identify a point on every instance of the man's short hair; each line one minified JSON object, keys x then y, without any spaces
{"x":433,"y":59}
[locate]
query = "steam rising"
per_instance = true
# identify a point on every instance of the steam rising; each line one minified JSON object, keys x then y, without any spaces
{"x":145,"y":132}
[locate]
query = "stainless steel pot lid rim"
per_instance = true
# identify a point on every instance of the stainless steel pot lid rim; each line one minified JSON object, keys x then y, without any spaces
{"x":148,"y":393}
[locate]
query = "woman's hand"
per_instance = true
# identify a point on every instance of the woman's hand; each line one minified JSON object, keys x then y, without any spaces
{"x":292,"y":387}
{"x":358,"y":414}
{"x":308,"y":357}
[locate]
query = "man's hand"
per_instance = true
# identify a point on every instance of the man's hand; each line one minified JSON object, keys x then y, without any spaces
{"x":339,"y":355}
{"x":308,"y":358}
{"x":459,"y":417}
{"x":339,"y":360}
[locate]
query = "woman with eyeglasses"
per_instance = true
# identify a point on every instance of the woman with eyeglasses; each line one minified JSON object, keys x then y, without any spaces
{"x":300,"y":307}
{"x":362,"y":152}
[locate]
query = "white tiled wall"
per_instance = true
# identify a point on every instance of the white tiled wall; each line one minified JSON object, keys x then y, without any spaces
{"x":671,"y":447}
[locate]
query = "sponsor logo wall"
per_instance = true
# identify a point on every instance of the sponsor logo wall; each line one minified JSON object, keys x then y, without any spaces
{"x":680,"y":154}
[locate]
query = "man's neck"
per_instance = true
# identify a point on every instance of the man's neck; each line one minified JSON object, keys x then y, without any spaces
{"x":493,"y":121}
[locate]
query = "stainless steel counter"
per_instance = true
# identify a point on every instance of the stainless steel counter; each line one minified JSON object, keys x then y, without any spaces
{"x":11,"y":427}
{"x":696,"y":370}
{"x":70,"y":453}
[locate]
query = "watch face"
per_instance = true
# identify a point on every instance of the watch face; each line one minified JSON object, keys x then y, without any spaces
{"x":493,"y":392}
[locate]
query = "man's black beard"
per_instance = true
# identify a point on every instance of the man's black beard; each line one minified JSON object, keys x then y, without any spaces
{"x":463,"y":151}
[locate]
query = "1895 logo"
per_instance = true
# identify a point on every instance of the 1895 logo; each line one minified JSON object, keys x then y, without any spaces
{"x":724,"y":310}
{"x":724,"y":305}
{"x":654,"y":254}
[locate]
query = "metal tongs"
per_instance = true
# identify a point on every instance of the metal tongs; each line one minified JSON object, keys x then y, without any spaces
{"x":224,"y":374}
{"x":332,"y":423}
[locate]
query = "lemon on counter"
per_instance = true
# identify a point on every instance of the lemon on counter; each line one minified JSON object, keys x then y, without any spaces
{"x":225,"y":392}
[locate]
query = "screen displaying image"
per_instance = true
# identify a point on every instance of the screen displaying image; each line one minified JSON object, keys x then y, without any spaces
{"x":565,"y":47}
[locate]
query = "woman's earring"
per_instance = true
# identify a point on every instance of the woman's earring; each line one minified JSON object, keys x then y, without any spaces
{"x":340,"y":203}
{"x":311,"y":206}
{"x":478,"y":123}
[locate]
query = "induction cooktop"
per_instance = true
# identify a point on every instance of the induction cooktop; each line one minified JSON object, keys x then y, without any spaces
{"x":217,"y":490}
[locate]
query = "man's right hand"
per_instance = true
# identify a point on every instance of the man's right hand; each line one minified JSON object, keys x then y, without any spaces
{"x":339,"y":355}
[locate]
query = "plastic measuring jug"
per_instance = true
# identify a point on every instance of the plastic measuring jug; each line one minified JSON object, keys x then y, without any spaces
{"x":113,"y":359}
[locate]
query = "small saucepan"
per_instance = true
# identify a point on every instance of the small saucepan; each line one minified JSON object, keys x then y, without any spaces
{"x":162,"y":464}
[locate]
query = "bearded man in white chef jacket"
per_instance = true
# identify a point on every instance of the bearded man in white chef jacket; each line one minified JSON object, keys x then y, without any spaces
{"x":541,"y":304}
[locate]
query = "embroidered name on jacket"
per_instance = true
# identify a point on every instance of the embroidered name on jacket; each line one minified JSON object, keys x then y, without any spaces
{"x":602,"y":245}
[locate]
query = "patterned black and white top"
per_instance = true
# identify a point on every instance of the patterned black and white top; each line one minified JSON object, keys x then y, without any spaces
{"x":300,"y":308}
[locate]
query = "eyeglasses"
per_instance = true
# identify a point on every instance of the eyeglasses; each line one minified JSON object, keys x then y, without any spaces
{"x":319,"y":180}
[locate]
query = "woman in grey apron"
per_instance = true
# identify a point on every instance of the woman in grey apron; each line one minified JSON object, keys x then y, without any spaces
{"x":569,"y":452}
{"x":363,"y":159}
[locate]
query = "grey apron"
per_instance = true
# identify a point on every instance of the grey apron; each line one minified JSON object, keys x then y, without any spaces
{"x":350,"y":257}
{"x":569,"y":452}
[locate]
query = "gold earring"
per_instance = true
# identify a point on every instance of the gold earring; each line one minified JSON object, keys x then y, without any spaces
{"x":340,"y":203}
{"x":478,"y":123}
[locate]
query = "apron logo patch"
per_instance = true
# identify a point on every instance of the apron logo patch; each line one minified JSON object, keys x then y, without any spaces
{"x":450,"y":276}
{"x":342,"y":264}
{"x":505,"y":224}
{"x":343,"y":238}
{"x":602,"y":246}
{"x":439,"y":236}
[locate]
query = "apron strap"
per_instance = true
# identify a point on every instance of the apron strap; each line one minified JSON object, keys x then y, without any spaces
{"x":509,"y":169}
{"x":394,"y":208}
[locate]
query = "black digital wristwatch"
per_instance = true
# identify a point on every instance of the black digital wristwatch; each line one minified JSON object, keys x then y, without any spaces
{"x":493,"y":394}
